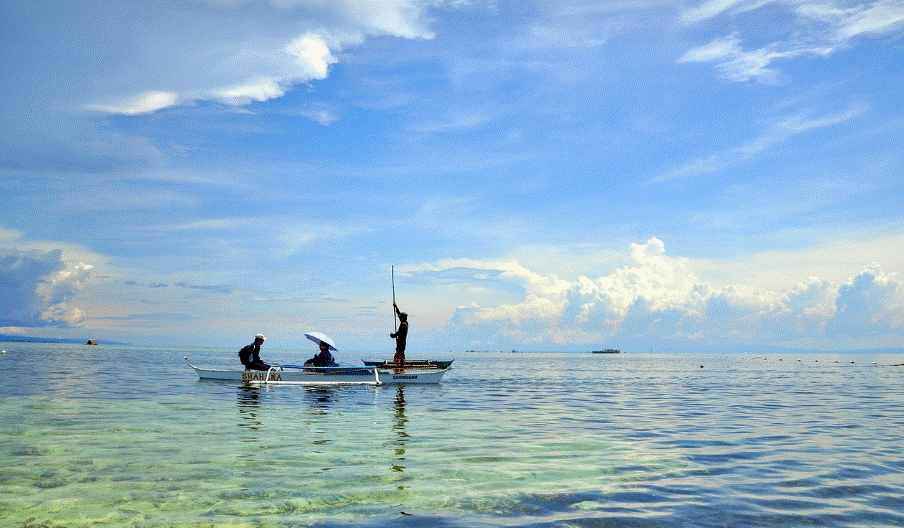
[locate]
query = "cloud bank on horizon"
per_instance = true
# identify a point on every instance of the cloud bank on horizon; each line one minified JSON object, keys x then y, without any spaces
{"x":659,"y":299}
{"x":196,"y":173}
{"x":655,"y":300}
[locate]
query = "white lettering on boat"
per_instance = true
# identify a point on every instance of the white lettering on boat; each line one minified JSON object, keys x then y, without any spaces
{"x":259,"y":376}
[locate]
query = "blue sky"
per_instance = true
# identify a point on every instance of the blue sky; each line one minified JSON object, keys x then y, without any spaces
{"x":645,"y":175}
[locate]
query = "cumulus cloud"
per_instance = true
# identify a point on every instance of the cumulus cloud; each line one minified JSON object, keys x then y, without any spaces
{"x":816,"y":29}
{"x":36,"y":288}
{"x":658,"y":298}
{"x":871,"y":302}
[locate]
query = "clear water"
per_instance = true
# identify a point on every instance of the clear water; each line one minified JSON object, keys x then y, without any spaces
{"x":128,"y":436}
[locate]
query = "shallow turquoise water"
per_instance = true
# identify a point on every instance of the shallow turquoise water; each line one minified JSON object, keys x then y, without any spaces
{"x":128,"y":436}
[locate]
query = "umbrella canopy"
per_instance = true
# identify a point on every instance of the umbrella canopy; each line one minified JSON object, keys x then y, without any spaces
{"x":318,"y":338}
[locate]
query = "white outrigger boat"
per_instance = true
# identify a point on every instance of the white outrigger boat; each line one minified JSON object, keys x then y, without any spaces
{"x":300,"y":375}
{"x":333,"y":375}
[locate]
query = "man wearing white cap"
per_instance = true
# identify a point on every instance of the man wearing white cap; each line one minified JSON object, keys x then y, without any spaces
{"x":250,"y":355}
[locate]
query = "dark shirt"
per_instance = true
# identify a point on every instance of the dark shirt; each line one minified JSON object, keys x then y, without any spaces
{"x":322,"y":359}
{"x":250,"y":354}
{"x":401,"y":335}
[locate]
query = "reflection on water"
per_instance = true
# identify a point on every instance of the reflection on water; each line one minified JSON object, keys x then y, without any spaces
{"x":320,"y":398}
{"x":400,"y":441}
{"x":321,"y":401}
{"x":248,"y":400}
{"x":248,"y":397}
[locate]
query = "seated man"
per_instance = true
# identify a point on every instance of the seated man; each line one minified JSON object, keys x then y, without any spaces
{"x":322,"y":359}
{"x":250,"y":355}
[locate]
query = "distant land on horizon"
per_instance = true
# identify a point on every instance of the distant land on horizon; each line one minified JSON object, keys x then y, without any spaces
{"x":678,"y":350}
{"x":26,"y":339}
{"x":702,"y":349}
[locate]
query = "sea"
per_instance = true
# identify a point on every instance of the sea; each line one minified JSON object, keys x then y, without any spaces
{"x":128,"y":436}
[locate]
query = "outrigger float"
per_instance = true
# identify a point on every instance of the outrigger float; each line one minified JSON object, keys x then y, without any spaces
{"x":301,"y":375}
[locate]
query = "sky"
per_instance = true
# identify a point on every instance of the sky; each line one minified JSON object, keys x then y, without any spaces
{"x":644,"y":175}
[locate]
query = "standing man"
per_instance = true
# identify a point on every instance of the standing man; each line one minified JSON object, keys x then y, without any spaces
{"x":250,"y":355}
{"x":400,"y":335}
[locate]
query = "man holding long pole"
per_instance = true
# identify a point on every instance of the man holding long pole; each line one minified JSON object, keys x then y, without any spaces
{"x":400,"y":335}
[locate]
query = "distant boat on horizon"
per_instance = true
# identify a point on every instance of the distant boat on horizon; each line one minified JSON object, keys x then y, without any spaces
{"x":606,"y":351}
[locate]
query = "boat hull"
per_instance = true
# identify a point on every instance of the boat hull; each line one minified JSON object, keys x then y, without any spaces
{"x":324,"y":375}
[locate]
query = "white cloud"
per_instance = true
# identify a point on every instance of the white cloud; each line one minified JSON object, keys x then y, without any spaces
{"x":144,"y":103}
{"x":251,"y":91}
{"x":9,"y":235}
{"x":815,"y":29}
{"x":735,"y":63}
{"x":656,"y":298}
{"x":241,"y":53}
{"x":659,"y":298}
{"x":722,"y":48}
{"x":779,"y":132}
{"x":708,"y":10}
{"x":870,"y":303}
{"x":879,"y":17}
{"x":36,"y":287}
{"x":312,"y":54}
{"x":832,"y":259}
{"x":321,"y":113}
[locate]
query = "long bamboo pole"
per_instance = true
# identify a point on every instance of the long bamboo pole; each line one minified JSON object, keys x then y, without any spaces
{"x":395,"y":322}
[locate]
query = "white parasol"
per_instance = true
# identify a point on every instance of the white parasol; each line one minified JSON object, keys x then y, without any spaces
{"x":318,"y":338}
